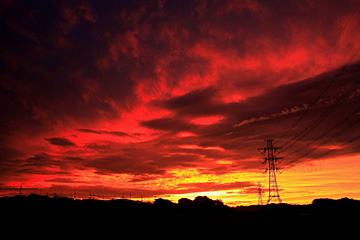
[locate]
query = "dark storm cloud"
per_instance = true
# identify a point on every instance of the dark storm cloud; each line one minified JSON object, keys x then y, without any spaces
{"x":137,"y":159}
{"x":83,"y":130}
{"x":40,"y":160}
{"x":49,"y":66}
{"x":41,"y":163}
{"x":196,"y":98}
{"x":330,"y":99}
{"x":169,"y":124}
{"x":83,"y":64}
{"x":82,"y":60}
{"x":128,"y":163}
{"x":59,"y":141}
{"x":159,"y":155}
{"x":62,"y":180}
{"x":115,"y":133}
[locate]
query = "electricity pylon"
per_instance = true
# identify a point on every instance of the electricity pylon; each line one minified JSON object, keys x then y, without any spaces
{"x":260,"y":194}
{"x":271,"y":160}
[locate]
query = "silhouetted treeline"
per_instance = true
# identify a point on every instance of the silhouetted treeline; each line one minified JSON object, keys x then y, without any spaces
{"x":202,"y":211}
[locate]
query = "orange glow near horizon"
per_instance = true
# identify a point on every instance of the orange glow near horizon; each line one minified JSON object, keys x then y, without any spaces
{"x":173,"y":98}
{"x":298,"y":185}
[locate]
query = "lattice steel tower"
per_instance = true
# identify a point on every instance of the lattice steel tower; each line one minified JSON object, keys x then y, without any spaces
{"x":260,"y":194}
{"x":271,"y":160}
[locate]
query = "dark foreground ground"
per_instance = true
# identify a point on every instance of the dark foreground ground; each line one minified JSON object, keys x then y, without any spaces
{"x":36,"y":213}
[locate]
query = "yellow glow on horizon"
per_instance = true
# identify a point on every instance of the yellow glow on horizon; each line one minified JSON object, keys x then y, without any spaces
{"x":328,"y":178}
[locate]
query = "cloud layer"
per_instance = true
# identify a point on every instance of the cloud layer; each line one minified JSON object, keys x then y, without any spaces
{"x":141,"y":91}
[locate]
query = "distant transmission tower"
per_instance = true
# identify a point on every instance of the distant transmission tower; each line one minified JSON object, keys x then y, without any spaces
{"x":260,"y":194}
{"x":271,"y":160}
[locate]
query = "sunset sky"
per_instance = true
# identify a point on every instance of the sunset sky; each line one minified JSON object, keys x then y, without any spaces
{"x":172,"y":99}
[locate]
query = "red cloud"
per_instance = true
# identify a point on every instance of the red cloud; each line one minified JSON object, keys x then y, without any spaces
{"x":146,"y":89}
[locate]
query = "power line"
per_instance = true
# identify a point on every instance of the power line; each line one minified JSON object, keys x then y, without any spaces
{"x":325,"y":114}
{"x":330,"y":130}
{"x":336,"y":134}
{"x":318,"y":67}
{"x":327,"y":152}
